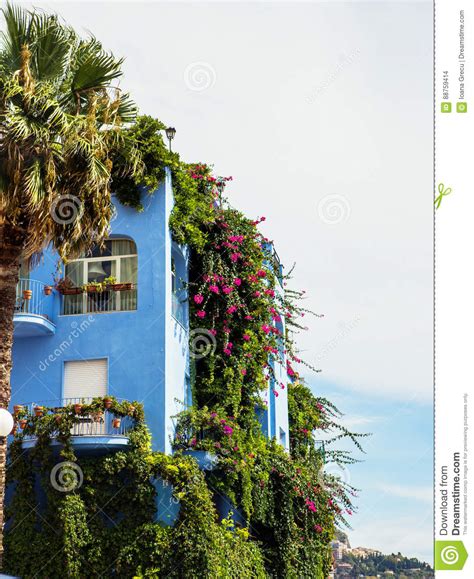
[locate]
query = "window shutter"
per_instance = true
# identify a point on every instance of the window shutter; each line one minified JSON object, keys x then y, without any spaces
{"x":85,"y":378}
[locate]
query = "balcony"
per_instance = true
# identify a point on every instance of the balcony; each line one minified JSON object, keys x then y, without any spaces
{"x":33,"y":310}
{"x":94,"y":433}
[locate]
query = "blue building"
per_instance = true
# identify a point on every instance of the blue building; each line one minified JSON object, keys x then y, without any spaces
{"x":129,"y":343}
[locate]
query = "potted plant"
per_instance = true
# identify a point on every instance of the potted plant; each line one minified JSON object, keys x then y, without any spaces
{"x":27,"y":294}
{"x":17,"y":408}
{"x":23,"y":422}
{"x":109,"y":282}
{"x":39,"y":411}
{"x":97,"y":416}
{"x":93,"y":287}
{"x":67,"y":288}
{"x":77,"y":408}
{"x":118,"y":287}
{"x":108,"y":402}
{"x":48,"y":290}
{"x":116,"y":422}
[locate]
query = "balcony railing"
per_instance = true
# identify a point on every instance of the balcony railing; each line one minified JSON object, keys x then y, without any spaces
{"x":99,"y":302}
{"x":87,"y":425}
{"x":31,"y":299}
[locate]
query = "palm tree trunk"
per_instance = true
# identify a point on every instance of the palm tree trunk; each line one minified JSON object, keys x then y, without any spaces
{"x":9,"y":272}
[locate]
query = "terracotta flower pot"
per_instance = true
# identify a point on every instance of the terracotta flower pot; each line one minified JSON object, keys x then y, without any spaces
{"x":116,"y":422}
{"x":17,"y":408}
{"x":118,"y":287}
{"x":27,"y":294}
{"x":73,"y":291}
{"x":48,"y":290}
{"x":58,"y":419}
{"x":39,"y":411}
{"x":108,"y":403}
{"x":23,"y":423}
{"x":91,"y":289}
{"x":97,"y":416}
{"x":77,"y":408}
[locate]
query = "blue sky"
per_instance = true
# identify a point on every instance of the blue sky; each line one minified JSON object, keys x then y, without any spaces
{"x":395,"y":503}
{"x":322,"y":113}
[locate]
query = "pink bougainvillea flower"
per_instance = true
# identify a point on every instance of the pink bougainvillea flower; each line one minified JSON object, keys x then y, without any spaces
{"x":265,"y":328}
{"x":270,"y":293}
{"x":227,"y":352}
{"x":232,"y":309}
{"x":228,"y":430}
{"x":198,"y":299}
{"x":246,"y":337}
{"x":201,"y":314}
{"x":213,"y":414}
{"x":235,"y":257}
{"x":275,"y":393}
{"x":252,"y":278}
{"x":236,"y":448}
{"x":311,"y":506}
{"x":227,"y":290}
{"x":193,"y":442}
{"x":206,"y":278}
{"x":249,"y":318}
{"x":217,"y":444}
{"x":257,"y":294}
{"x":318,"y":528}
{"x":213,"y":332}
{"x":261,"y":273}
{"x":244,"y":372}
{"x":214,"y":289}
{"x":226,"y":330}
{"x":237,"y":281}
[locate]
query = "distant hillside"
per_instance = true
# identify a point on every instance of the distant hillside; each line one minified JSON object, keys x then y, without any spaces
{"x":376,"y":564}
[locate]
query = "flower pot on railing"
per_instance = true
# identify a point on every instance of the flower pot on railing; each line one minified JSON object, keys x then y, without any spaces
{"x":48,"y":290}
{"x":77,"y":408}
{"x":116,"y":422}
{"x":17,"y":408}
{"x":39,"y":411}
{"x":119,"y":287}
{"x":108,"y":403}
{"x":23,"y":423}
{"x":27,"y":294}
{"x":97,"y":416}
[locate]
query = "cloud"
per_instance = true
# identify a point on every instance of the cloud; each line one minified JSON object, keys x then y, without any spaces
{"x":415,"y":493}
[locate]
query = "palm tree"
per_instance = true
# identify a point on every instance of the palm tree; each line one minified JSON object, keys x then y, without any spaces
{"x":60,"y":124}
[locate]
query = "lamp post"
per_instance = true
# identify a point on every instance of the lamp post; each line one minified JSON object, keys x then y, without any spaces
{"x":6,"y":422}
{"x":170,"y":133}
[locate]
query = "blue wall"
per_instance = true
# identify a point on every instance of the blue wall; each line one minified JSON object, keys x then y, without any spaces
{"x":146,"y":349}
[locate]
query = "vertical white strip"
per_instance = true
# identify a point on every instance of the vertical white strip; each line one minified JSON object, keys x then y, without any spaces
{"x":454,"y":309}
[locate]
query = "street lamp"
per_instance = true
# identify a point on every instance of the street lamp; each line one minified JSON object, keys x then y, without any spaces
{"x":170,"y":133}
{"x":6,"y":422}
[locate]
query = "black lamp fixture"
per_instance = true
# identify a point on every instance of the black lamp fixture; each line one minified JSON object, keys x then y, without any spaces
{"x":170,"y":133}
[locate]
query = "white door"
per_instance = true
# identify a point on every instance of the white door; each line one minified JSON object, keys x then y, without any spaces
{"x":84,"y":380}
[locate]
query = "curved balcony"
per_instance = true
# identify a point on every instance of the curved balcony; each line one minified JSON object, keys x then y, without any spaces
{"x":90,"y":435}
{"x":33,"y":310}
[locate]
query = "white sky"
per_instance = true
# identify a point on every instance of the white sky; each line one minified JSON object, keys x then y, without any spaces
{"x":301,"y":101}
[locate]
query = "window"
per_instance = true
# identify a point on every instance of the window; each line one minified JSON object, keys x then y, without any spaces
{"x":118,"y":259}
{"x":84,"y":379}
{"x":179,"y":294}
{"x":282,"y":437}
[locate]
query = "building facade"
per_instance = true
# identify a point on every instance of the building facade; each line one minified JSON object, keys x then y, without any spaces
{"x":72,"y":345}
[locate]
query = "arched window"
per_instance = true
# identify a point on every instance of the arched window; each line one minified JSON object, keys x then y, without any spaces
{"x":103,"y":273}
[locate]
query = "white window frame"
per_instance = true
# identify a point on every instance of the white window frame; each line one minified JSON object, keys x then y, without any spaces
{"x":117,"y":258}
